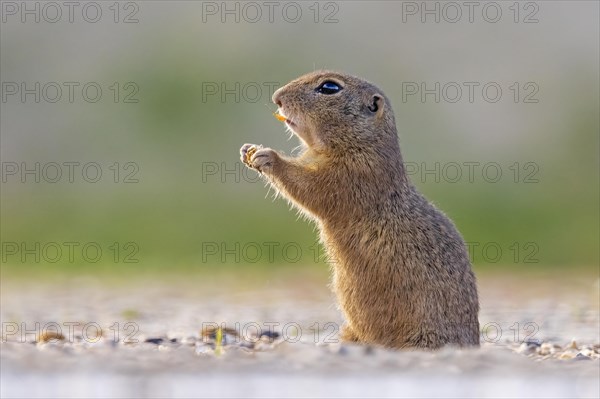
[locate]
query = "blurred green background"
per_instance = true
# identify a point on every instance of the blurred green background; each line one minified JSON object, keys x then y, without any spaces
{"x":188,"y":210}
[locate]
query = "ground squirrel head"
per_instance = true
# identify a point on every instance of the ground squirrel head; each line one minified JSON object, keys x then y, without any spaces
{"x":331,"y":111}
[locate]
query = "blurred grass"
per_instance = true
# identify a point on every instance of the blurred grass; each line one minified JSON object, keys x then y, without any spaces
{"x":171,"y":212}
{"x":171,"y":134}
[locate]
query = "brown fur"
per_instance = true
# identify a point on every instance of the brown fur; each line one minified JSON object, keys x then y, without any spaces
{"x":400,"y":268}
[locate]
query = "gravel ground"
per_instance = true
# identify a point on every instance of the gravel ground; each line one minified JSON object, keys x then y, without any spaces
{"x":159,"y":337}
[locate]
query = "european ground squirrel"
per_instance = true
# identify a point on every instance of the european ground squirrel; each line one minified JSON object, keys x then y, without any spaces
{"x":401,"y":272}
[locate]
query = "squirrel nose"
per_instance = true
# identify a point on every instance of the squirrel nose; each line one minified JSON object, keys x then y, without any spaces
{"x":277,"y":97}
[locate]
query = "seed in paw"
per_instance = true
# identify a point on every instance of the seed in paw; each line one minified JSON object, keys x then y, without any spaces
{"x":249,"y":153}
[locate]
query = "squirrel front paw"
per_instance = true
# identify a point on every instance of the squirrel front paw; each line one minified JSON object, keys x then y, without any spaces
{"x":257,"y":157}
{"x":247,"y":151}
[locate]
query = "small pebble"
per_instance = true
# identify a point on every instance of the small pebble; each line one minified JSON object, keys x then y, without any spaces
{"x":548,"y":349}
{"x":581,"y":356}
{"x":163,"y":348}
{"x":586,"y":352}
{"x":272,"y":335}
{"x":50,"y":336}
{"x":588,"y":347}
{"x":203,"y":349}
{"x":526,"y":348}
{"x":191,"y":341}
{"x":567,"y":355}
{"x":261,"y":346}
{"x":534,"y":342}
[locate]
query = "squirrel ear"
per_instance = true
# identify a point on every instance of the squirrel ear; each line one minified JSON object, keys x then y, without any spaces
{"x":376,"y":104}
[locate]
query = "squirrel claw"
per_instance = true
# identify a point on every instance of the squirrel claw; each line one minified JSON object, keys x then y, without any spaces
{"x":257,"y":157}
{"x":247,"y":151}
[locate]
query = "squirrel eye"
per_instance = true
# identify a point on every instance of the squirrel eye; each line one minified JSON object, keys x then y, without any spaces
{"x":329,"y":87}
